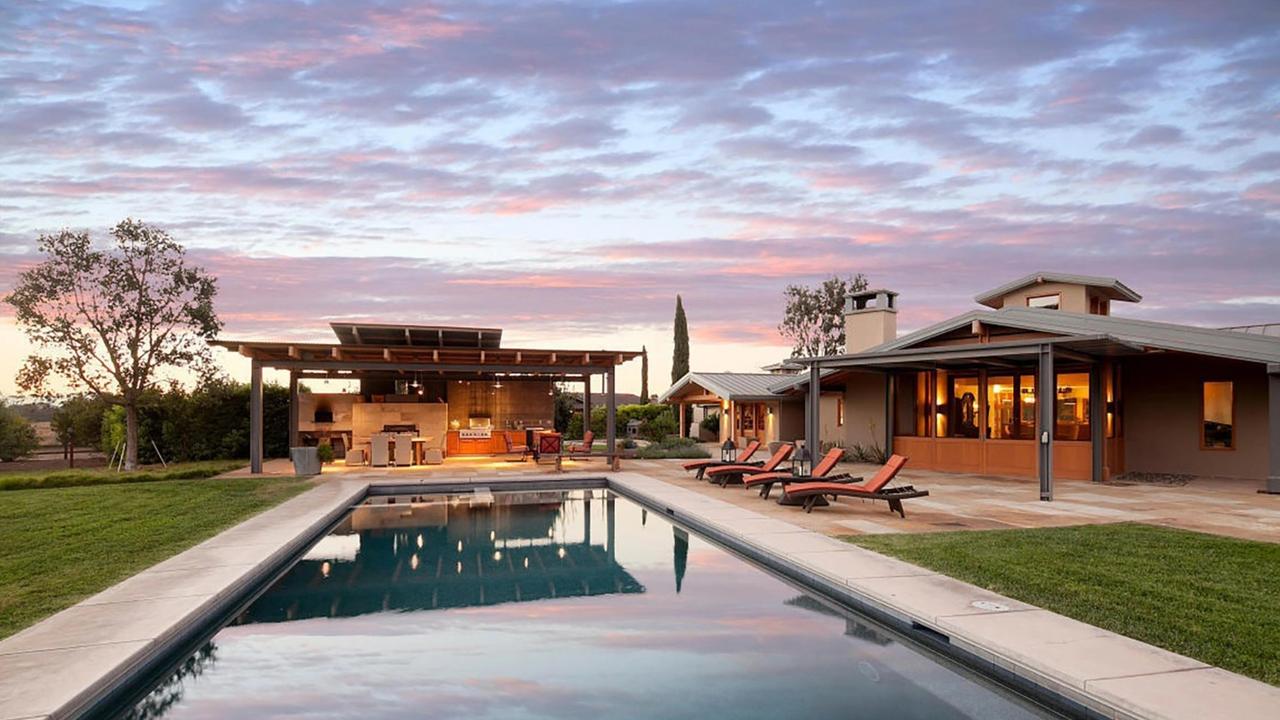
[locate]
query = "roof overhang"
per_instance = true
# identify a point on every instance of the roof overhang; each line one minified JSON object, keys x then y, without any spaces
{"x":1108,"y":287}
{"x":400,"y":358}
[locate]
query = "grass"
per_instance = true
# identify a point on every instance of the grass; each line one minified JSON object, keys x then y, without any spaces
{"x":63,"y":545}
{"x":105,"y":476}
{"x":1212,"y":598}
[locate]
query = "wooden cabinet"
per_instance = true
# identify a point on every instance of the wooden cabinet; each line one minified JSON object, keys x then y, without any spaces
{"x":495,"y":444}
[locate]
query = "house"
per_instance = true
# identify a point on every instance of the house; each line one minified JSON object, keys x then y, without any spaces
{"x":968,"y":394}
{"x":749,"y":407}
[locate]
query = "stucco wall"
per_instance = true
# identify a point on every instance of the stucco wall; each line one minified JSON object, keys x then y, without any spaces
{"x":1161,"y":397}
{"x":864,"y":419}
{"x":1075,"y":298}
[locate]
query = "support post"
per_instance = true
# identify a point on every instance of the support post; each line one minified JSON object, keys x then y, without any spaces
{"x":1097,"y":423}
{"x":1046,"y":397}
{"x":888,"y":414}
{"x":293,"y":410}
{"x":586,"y":403}
{"x":255,"y":418}
{"x":610,"y":536}
{"x":1273,"y":429}
{"x":611,"y":413}
{"x":684,"y":421}
{"x":813,"y":412}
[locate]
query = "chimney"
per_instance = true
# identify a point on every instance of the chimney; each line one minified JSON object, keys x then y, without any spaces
{"x":870,"y":319}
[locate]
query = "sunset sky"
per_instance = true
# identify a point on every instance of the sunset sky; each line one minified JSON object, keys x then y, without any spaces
{"x":564,"y":169}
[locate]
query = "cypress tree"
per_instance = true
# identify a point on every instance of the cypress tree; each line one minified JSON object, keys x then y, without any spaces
{"x":680,"y":358}
{"x":644,"y":375}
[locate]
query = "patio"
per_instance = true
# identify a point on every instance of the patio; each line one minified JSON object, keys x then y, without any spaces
{"x":956,"y":501}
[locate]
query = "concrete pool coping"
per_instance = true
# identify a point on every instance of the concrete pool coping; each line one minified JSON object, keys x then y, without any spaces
{"x":65,"y":664}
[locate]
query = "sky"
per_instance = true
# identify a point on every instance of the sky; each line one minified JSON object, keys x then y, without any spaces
{"x":564,"y":169}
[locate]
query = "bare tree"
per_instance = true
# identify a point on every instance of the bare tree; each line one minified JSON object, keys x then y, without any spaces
{"x":106,"y":320}
{"x":814,"y":317}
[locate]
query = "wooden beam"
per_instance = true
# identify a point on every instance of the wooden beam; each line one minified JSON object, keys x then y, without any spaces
{"x":408,"y":339}
{"x":336,"y":353}
{"x":435,"y":356}
{"x":386,"y":354}
{"x":295,"y":353}
{"x":245,"y":350}
{"x":519,"y":357}
{"x":553,"y":358}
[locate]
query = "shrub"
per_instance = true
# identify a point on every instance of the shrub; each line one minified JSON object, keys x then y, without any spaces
{"x":17,"y":437}
{"x":711,"y":424}
{"x":325,"y":451}
{"x":672,"y":446}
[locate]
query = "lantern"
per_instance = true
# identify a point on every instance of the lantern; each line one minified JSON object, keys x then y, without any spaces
{"x":728,"y":451}
{"x":801,"y":462}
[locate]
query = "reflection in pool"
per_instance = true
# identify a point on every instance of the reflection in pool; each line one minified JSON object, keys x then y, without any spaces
{"x":542,"y":605}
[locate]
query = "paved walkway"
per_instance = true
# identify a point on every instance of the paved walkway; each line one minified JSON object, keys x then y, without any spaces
{"x":955,"y":502}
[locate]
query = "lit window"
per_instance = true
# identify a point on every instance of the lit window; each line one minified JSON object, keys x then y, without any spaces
{"x":1073,"y":407}
{"x":1011,"y":407}
{"x":1046,"y":302}
{"x":962,"y":404}
{"x":1218,"y":415}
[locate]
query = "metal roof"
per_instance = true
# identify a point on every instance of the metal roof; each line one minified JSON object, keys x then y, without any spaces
{"x":334,"y":356}
{"x":727,"y":385}
{"x":430,"y":336}
{"x":1230,"y":344}
{"x":1110,"y":286}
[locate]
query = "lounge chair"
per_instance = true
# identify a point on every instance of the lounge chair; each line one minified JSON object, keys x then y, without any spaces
{"x":725,"y":473}
{"x":744,"y":458}
{"x":820,"y":471}
{"x":512,"y":448}
{"x":815,"y":493}
{"x":588,"y":441}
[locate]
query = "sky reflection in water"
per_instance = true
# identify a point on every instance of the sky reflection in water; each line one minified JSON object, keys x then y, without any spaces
{"x":550,"y":606}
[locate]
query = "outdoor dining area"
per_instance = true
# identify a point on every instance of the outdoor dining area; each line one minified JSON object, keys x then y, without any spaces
{"x":426,"y":393}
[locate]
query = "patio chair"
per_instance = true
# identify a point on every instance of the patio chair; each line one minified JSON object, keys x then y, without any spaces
{"x":512,"y":448}
{"x":744,"y":458}
{"x":588,"y":441}
{"x":725,"y":473}
{"x":379,"y":449}
{"x":813,"y":494}
{"x":766,"y":480}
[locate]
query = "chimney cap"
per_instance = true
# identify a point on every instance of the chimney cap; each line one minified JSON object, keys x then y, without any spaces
{"x":861,"y":301}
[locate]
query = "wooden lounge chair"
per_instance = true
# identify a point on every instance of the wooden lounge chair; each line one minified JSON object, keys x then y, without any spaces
{"x":744,"y":458}
{"x":512,"y":448}
{"x":766,"y":480}
{"x":588,"y":441}
{"x":725,"y":473}
{"x":810,"y":493}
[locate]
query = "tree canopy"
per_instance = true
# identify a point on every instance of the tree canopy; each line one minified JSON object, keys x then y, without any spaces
{"x":107,"y":319}
{"x":814,"y":316}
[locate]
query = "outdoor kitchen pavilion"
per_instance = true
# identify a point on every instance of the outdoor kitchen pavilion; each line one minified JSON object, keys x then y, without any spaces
{"x":382,"y":354}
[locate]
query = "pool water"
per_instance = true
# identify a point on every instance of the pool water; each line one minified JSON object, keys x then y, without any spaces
{"x":551,"y":605}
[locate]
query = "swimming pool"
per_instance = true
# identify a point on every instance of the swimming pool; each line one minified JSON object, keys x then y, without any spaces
{"x":550,"y":604}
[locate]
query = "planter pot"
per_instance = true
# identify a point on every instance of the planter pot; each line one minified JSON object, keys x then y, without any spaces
{"x":306,"y":461}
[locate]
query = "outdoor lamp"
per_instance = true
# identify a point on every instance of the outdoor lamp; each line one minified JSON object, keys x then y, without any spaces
{"x":801,"y":462}
{"x":728,"y":451}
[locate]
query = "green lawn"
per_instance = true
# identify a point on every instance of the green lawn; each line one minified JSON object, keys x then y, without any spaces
{"x":1212,"y":598}
{"x":62,"y":545}
{"x":104,"y":476}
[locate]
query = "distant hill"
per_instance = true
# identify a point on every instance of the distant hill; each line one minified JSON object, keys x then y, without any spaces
{"x":32,"y":411}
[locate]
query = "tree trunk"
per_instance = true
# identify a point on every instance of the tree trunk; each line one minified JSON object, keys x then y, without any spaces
{"x":130,"y":436}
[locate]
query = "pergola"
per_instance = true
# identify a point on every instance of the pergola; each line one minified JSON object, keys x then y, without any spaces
{"x":452,"y":353}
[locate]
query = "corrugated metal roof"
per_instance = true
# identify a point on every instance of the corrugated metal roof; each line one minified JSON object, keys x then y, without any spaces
{"x":1165,"y":336}
{"x":1115,"y":289}
{"x":727,"y":385}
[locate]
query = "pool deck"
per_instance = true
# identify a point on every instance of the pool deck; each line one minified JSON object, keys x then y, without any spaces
{"x":57,"y":666}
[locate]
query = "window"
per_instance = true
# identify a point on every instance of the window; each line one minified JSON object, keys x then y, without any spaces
{"x":1218,"y":416}
{"x":1047,"y":302}
{"x":1072,"y":411}
{"x":1011,"y":407}
{"x":911,"y":404}
{"x":962,"y":404}
{"x":840,"y":412}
